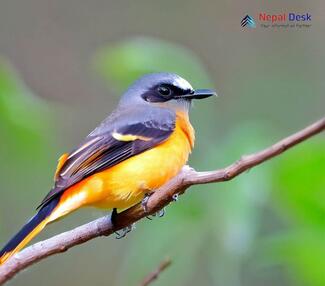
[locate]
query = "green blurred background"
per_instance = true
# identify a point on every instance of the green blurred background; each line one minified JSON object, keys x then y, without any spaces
{"x":63,"y":66}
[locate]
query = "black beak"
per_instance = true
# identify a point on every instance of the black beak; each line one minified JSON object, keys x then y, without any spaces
{"x":200,"y":94}
{"x":203,"y":93}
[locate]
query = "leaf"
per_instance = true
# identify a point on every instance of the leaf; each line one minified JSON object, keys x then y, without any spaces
{"x":22,"y":115}
{"x":300,"y":184}
{"x":25,"y":145}
{"x":299,"y":198}
{"x":303,"y":251}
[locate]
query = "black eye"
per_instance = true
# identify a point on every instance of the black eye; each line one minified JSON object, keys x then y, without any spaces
{"x":164,"y":90}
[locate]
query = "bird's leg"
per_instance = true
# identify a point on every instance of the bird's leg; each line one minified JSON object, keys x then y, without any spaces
{"x":145,"y":200}
{"x":144,"y":203}
{"x":113,"y":216}
{"x":161,"y":212}
{"x":124,"y":231}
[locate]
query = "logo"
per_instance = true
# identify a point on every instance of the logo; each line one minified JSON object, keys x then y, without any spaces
{"x":284,"y":17}
{"x":248,"y":21}
{"x":280,"y":20}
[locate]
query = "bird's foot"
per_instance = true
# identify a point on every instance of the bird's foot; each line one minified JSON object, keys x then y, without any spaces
{"x":175,"y":197}
{"x":160,"y":213}
{"x":124,"y":231}
{"x":144,"y":202}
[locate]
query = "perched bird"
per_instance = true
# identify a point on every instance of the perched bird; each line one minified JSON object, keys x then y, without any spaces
{"x":139,"y":147}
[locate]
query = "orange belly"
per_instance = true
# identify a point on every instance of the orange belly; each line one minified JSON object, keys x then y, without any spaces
{"x":126,"y":184}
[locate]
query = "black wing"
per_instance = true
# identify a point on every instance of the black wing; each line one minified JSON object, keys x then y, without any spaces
{"x":118,"y":138}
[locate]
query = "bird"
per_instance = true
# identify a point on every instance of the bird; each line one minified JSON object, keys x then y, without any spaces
{"x":140,"y":146}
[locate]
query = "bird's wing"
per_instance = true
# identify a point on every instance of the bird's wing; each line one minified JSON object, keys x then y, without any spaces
{"x":115,"y":140}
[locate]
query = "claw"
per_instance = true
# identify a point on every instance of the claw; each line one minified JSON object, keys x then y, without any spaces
{"x":123,"y":232}
{"x":151,"y":217}
{"x":144,"y":202}
{"x":175,"y":197}
{"x":162,"y":212}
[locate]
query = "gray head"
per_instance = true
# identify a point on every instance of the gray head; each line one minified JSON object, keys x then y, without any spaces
{"x":163,"y":89}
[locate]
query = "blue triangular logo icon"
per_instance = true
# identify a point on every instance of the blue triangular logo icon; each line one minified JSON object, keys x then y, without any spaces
{"x":248,"y":21}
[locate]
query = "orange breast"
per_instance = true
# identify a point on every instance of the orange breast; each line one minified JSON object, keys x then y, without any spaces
{"x":126,"y":183}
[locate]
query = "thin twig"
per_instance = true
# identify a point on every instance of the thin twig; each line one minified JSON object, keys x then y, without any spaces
{"x":160,"y":198}
{"x":154,"y":275}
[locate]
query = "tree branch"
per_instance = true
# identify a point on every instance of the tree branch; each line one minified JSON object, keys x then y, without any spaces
{"x":160,"y":198}
{"x":154,"y":275}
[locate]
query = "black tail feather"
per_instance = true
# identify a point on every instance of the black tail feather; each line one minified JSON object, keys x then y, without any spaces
{"x":42,"y":214}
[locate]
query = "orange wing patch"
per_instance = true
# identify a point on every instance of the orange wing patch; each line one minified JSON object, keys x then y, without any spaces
{"x":61,"y":161}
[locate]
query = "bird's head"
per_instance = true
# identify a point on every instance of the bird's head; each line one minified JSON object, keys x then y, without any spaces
{"x":164,"y":90}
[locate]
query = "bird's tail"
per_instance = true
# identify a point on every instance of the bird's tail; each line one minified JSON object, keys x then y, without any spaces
{"x":29,"y":230}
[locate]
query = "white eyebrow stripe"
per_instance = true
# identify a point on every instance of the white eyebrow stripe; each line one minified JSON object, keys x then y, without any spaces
{"x":182,"y":83}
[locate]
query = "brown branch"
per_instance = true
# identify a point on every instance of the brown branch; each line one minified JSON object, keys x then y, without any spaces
{"x":160,"y":198}
{"x":154,"y":275}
